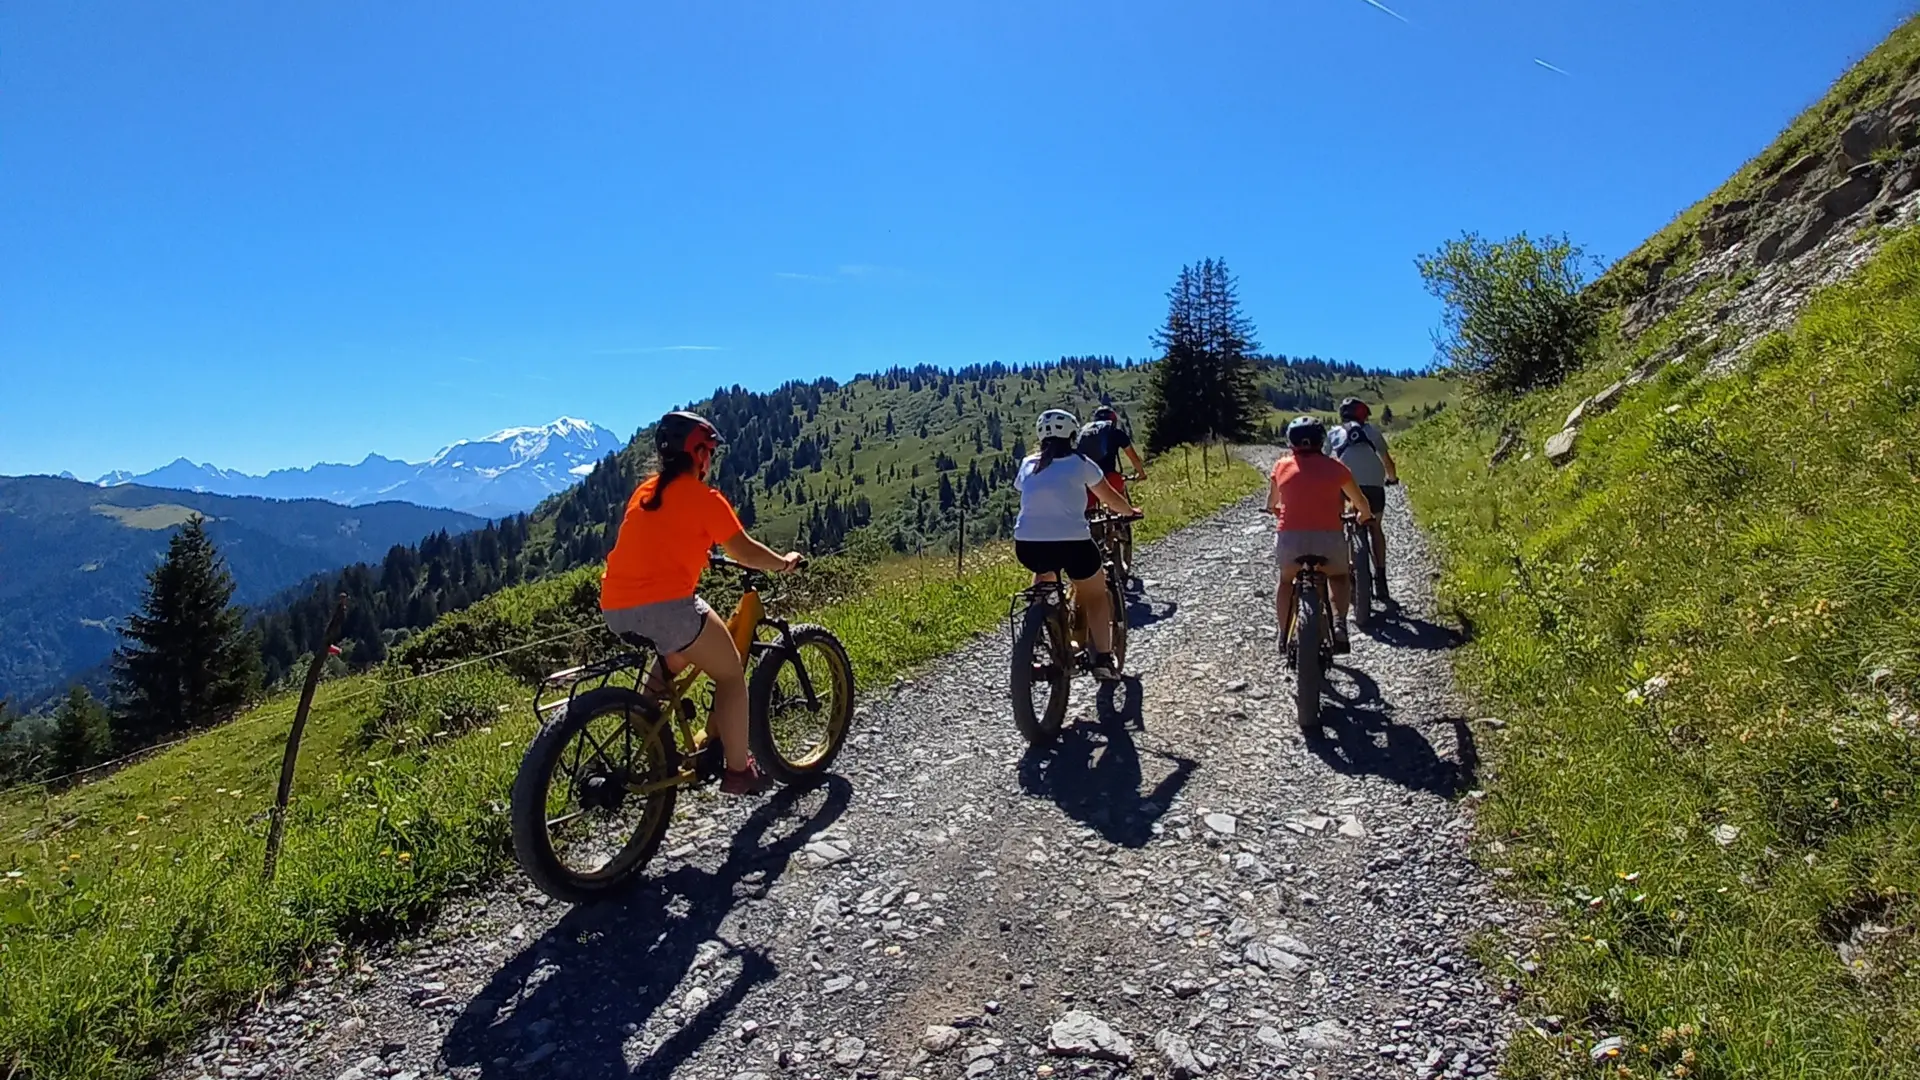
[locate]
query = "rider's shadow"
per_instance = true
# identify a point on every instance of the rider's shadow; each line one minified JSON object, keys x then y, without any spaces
{"x":1357,"y":736}
{"x":1092,"y":771}
{"x":575,"y":997}
{"x":1143,"y":612}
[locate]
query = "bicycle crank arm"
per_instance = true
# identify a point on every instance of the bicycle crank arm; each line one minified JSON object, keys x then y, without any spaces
{"x":683,"y":778}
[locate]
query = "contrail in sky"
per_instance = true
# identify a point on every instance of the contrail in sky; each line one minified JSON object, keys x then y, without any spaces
{"x":1550,"y":67}
{"x":1385,"y":8}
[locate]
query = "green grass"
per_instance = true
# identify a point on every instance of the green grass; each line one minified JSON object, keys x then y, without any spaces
{"x":132,"y":912}
{"x":1704,"y":635}
{"x":1864,"y":87}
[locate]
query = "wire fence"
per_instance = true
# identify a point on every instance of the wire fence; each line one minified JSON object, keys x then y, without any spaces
{"x":254,"y":720}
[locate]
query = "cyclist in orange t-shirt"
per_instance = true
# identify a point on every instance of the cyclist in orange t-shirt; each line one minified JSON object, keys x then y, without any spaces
{"x":672,"y":523}
{"x":1303,"y":495}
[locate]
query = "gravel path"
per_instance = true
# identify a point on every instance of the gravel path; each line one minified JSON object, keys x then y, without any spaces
{"x":1183,"y":885}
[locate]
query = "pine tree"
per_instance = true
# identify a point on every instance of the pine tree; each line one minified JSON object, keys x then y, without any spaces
{"x":189,"y":660}
{"x":81,"y":735}
{"x":1205,"y":384}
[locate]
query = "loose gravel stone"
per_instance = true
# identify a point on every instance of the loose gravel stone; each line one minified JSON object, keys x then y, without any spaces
{"x":1084,"y":1035}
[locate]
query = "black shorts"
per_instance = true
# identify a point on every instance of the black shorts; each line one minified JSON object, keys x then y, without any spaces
{"x":1079,"y":558}
{"x":1376,"y":498}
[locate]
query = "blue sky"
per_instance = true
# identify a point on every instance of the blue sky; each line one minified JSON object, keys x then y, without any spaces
{"x":270,"y":234}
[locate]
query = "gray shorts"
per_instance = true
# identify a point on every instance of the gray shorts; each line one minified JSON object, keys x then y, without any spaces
{"x":671,"y":625}
{"x":1331,"y":546}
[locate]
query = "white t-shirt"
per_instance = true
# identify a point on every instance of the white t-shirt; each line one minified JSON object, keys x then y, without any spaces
{"x":1053,"y":501}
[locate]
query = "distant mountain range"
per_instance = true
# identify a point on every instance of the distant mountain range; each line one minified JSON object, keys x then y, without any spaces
{"x":505,"y":473}
{"x":76,"y":558}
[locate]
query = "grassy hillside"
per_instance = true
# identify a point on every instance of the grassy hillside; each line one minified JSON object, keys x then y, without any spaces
{"x":1702,"y":635}
{"x":131,"y":910}
{"x":77,"y":558}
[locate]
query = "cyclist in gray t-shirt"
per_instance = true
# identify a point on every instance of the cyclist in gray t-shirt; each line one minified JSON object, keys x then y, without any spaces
{"x":1362,"y":448}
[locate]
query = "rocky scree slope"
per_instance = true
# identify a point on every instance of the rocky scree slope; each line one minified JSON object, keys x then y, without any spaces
{"x":1183,"y":886}
{"x":1807,"y":214}
{"x":1804,"y":214}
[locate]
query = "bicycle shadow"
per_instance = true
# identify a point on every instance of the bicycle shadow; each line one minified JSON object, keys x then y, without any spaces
{"x":1092,"y":772}
{"x":1393,"y":627}
{"x":578,"y":994}
{"x":1357,"y":736}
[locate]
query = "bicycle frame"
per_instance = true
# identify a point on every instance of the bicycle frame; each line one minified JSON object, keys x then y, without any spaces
{"x":1317,"y":578}
{"x":650,"y":670}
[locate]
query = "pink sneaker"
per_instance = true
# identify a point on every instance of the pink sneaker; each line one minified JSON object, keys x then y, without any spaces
{"x":747,"y":781}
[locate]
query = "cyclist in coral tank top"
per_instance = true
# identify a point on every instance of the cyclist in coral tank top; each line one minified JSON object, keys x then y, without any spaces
{"x":1303,"y":495}
{"x":672,"y":523}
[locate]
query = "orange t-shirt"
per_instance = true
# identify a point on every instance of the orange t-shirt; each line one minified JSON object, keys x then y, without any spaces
{"x":660,"y":553}
{"x":1310,"y":492}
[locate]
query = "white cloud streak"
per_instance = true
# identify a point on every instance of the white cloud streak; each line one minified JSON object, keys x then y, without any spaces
{"x":1378,"y":6}
{"x":637,"y":349}
{"x":1550,"y":67}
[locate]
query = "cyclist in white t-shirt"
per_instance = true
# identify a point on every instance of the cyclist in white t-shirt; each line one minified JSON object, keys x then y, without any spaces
{"x":1051,"y":534}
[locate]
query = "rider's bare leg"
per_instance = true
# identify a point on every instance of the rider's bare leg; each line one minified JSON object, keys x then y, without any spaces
{"x":1283,"y":606}
{"x":713,"y":652}
{"x":1090,"y":596}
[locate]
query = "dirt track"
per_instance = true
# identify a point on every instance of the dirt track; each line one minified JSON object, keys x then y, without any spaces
{"x":1183,"y":883}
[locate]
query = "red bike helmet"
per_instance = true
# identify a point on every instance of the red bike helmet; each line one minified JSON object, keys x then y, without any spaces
{"x":1355,"y":409}
{"x":687,"y":433}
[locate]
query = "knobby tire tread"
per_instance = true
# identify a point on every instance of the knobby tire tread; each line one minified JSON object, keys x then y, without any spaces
{"x":533,"y":847}
{"x":766,"y":676}
{"x":1308,"y":675}
{"x":1035,"y":630}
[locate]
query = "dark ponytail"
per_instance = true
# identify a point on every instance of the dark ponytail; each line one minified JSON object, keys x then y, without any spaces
{"x":1053,"y":449}
{"x":672,"y":467}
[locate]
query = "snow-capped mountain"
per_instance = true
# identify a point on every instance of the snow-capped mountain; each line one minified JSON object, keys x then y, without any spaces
{"x":504,"y":473}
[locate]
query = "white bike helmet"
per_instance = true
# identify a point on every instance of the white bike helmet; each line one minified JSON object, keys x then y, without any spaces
{"x":1057,"y":424}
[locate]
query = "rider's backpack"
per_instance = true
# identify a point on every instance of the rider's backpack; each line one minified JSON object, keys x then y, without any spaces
{"x":1356,"y":436}
{"x":1096,"y":440}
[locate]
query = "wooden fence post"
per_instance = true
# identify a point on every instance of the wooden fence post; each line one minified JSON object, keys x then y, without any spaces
{"x":276,"y":828}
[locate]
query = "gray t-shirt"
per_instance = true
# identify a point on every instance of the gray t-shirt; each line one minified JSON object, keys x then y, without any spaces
{"x":1359,"y":458}
{"x":1053,"y":501}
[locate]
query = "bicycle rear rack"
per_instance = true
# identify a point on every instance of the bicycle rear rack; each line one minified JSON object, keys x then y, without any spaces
{"x":599,"y":673}
{"x":1051,"y":593}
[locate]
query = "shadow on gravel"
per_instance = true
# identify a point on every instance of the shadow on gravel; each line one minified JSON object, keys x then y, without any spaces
{"x":1393,"y":626}
{"x":1142,"y":612}
{"x":1357,"y":736}
{"x":570,"y":1001}
{"x":1092,"y":772}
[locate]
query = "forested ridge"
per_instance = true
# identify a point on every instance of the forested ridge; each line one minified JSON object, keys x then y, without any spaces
{"x":883,"y":462}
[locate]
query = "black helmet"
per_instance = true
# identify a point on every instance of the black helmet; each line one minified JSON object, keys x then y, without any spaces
{"x":686,"y":433}
{"x":1355,"y":409}
{"x":1306,"y":432}
{"x":1107,"y":413}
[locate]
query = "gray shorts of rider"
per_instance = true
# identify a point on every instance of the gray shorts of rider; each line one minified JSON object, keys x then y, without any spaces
{"x":1331,"y":545}
{"x":670,"y":625}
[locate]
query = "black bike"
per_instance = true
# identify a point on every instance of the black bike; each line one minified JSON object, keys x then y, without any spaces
{"x":1309,"y":652}
{"x":1052,"y":643}
{"x":597,"y":785}
{"x":1360,"y":558}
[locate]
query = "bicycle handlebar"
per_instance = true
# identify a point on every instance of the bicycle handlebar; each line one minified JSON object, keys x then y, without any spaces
{"x":1107,"y":515}
{"x":721,"y":562}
